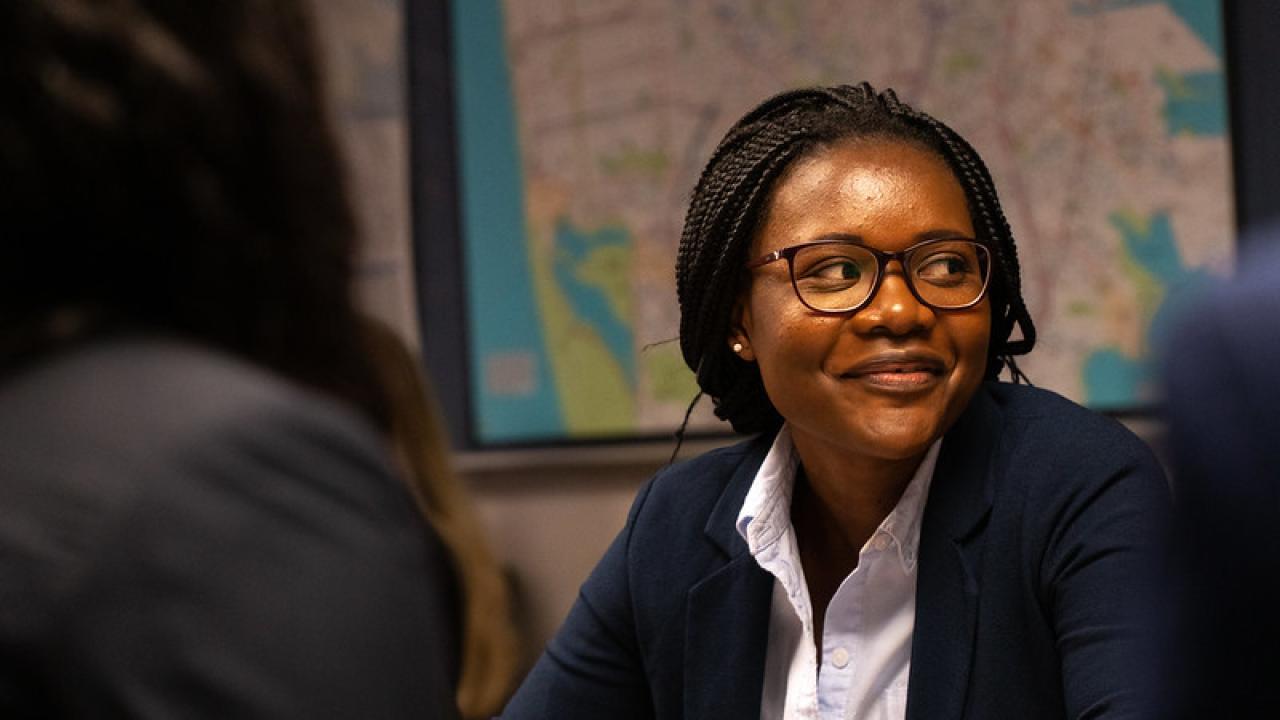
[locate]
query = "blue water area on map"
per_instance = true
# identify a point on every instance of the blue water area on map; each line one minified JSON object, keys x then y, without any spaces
{"x":502,"y":307}
{"x":573,"y":247}
{"x":1196,"y":103}
{"x":1204,"y":17}
{"x":1111,"y":378}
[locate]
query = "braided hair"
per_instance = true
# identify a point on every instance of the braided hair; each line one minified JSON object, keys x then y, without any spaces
{"x":726,"y":208}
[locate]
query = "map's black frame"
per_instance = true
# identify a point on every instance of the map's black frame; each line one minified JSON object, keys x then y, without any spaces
{"x":1252,"y":41}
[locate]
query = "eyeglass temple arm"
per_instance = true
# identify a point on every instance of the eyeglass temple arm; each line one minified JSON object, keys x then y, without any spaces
{"x":775,"y":255}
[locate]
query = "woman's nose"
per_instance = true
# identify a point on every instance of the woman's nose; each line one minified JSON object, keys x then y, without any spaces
{"x":894,"y":309}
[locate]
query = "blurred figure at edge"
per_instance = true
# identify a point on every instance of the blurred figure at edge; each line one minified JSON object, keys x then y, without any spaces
{"x":198,"y":517}
{"x":1223,"y":394}
{"x":489,"y":646}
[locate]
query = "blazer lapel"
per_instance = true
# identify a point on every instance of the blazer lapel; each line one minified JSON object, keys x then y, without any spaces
{"x":727,"y":614}
{"x":947,"y":588}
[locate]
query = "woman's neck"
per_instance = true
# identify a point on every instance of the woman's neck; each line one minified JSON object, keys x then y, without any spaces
{"x":837,"y":504}
{"x":852,"y":494}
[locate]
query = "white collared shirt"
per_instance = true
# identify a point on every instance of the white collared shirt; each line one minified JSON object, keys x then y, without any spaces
{"x":866,"y":638}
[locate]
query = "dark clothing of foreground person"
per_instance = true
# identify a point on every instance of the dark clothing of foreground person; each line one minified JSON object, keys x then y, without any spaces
{"x":1037,"y":522}
{"x":187,"y":536}
{"x":1223,"y":395}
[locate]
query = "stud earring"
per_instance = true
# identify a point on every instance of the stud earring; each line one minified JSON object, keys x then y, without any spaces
{"x":737,"y":347}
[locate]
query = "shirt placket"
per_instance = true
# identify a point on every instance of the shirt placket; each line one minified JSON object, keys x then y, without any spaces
{"x":841,"y":644}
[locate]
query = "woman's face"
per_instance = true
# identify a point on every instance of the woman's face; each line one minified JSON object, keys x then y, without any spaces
{"x":886,"y":381}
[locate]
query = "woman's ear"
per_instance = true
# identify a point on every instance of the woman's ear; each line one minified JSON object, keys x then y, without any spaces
{"x":739,"y":336}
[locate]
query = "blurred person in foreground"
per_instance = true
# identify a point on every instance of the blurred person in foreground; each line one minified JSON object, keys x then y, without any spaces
{"x":198,"y":517}
{"x":1222,"y":392}
{"x":489,"y":644}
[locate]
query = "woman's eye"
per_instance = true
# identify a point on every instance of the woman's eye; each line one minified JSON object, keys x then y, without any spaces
{"x":843,"y":269}
{"x":943,"y":269}
{"x":840,"y":270}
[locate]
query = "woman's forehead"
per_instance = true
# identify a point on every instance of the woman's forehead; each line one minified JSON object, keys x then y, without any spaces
{"x":862,"y":159}
{"x":864,"y":187}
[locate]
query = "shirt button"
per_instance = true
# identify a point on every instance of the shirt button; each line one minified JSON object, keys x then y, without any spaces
{"x":840,"y":657}
{"x":880,"y":543}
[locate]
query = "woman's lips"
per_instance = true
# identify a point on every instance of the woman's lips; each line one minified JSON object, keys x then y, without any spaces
{"x":899,"y":380}
{"x":901,"y":373}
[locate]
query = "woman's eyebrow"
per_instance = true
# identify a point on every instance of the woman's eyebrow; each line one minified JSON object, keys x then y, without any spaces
{"x":839,"y":237}
{"x":942,"y":234}
{"x":935,"y":234}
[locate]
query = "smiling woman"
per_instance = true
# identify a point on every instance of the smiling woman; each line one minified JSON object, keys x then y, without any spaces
{"x":904,"y":536}
{"x":876,"y":381}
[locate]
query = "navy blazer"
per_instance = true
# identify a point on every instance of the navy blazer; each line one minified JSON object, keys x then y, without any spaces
{"x":1033,"y":552}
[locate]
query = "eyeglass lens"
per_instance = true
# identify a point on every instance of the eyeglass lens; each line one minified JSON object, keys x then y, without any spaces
{"x":839,"y":276}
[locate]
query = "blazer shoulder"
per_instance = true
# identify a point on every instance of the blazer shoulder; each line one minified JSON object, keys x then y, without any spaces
{"x":1054,"y":447}
{"x":1050,"y":424}
{"x":692,"y":487}
{"x":682,"y":521}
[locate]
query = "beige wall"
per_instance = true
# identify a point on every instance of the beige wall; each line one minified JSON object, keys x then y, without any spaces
{"x":550,"y":525}
{"x":552,"y":513}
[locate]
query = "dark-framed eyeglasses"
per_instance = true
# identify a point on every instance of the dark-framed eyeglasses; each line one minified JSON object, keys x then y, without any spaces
{"x":839,"y":276}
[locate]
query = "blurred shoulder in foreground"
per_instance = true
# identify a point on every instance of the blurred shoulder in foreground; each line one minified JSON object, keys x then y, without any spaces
{"x":187,"y":535}
{"x":1223,"y":389}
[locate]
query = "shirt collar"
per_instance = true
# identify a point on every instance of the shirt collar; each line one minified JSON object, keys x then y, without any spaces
{"x":902,"y":524}
{"x":766,"y":512}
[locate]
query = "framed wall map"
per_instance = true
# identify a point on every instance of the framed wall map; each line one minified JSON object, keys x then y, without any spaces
{"x":581,"y":126}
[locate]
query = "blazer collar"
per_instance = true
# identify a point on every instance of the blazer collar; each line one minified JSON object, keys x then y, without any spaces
{"x":951,"y":539}
{"x":727,"y":612}
{"x":959,"y":496}
{"x":721,"y":525}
